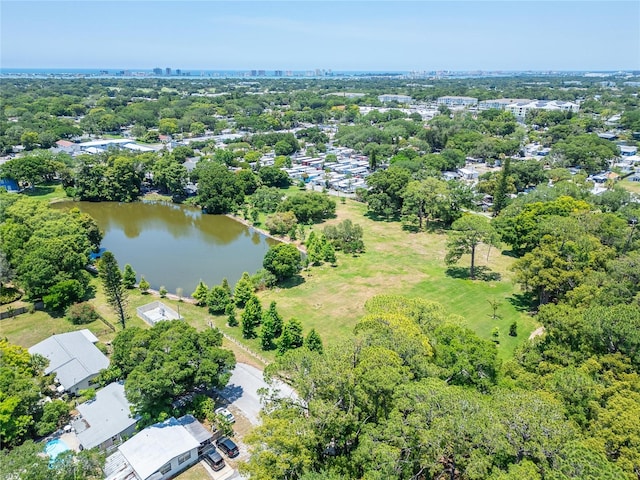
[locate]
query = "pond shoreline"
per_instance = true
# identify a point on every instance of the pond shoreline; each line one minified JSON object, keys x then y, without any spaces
{"x":248,"y":224}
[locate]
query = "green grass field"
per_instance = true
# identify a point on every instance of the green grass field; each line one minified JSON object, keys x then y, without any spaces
{"x":331,"y":299}
{"x":633,"y":187}
{"x":47,"y":192}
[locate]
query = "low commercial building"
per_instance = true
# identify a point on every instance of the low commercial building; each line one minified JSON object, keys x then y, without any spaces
{"x":394,"y":98}
{"x":500,"y":103}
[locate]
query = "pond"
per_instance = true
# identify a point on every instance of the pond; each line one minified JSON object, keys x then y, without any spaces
{"x":174,"y":245}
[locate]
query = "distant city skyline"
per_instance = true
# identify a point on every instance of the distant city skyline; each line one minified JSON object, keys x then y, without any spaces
{"x":307,"y":35}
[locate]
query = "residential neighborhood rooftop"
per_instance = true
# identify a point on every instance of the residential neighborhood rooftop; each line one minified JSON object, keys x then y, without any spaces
{"x":72,"y":356}
{"x":104,"y":417}
{"x":156,"y":445}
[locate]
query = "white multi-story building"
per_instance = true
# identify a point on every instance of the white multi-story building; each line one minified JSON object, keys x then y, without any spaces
{"x":520,"y":109}
{"x":457,"y":101}
{"x":394,"y":98}
{"x":500,"y":103}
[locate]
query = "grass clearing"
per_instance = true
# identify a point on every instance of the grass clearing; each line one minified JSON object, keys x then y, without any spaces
{"x":633,"y":187}
{"x":331,"y":299}
{"x":50,"y":192}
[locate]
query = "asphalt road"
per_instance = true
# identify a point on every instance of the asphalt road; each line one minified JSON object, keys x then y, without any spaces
{"x":242,"y":391}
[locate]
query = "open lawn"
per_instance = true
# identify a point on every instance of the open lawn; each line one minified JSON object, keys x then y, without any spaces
{"x":331,"y":299}
{"x":48,"y":192}
{"x":197,"y":472}
{"x":633,"y":187}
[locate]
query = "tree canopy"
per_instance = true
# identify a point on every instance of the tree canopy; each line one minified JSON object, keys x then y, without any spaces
{"x":166,"y":361}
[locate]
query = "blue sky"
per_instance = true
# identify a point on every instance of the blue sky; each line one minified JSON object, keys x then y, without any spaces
{"x":338,"y":35}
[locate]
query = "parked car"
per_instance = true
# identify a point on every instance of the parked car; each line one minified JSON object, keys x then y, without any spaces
{"x":226,"y":414}
{"x":214,"y":459}
{"x":228,"y":447}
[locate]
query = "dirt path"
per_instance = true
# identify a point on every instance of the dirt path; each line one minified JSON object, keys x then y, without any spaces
{"x":536,"y":333}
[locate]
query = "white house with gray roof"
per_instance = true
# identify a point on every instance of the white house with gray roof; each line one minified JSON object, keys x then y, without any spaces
{"x":160,"y":451}
{"x":73,"y":358}
{"x":106,"y":420}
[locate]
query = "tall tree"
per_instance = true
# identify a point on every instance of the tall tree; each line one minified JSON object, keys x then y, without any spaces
{"x":313,"y":341}
{"x":200,"y":293}
{"x":467,"y":233}
{"x":283,"y":260}
{"x":168,"y":360}
{"x":218,"y":299}
{"x":500,"y":194}
{"x":129,"y":277}
{"x":114,"y":289}
{"x":291,"y":336}
{"x":243,"y":290}
{"x":251,"y":317}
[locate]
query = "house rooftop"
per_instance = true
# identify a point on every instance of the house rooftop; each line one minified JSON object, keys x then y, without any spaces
{"x":157,"y":445}
{"x":108,"y":414}
{"x":72,"y":356}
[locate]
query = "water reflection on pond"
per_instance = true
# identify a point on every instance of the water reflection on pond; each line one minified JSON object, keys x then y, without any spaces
{"x":174,"y":245}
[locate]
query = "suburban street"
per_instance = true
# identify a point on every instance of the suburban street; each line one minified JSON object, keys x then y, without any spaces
{"x":242,"y":391}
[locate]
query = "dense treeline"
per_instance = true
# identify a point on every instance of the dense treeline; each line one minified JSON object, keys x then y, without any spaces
{"x":46,"y":250}
{"x":414,"y":395}
{"x":37,"y":117}
{"x":22,"y":386}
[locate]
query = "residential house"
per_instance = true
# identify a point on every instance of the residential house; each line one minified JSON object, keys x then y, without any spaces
{"x":73,"y":358}
{"x":160,"y":451}
{"x":468,"y":174}
{"x":628,"y":150}
{"x":66,"y":146}
{"x":106,"y":420}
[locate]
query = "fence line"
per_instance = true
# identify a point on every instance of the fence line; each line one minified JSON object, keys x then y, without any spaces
{"x":246,"y":349}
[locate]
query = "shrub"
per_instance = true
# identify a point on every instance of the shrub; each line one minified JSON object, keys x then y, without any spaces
{"x":144,"y":285}
{"x":82,"y":313}
{"x":63,"y":294}
{"x":263,"y":279}
{"x":281,"y":223}
{"x":9,"y":294}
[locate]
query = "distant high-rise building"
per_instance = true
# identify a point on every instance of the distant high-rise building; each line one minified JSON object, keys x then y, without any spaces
{"x":167,"y":71}
{"x":157,"y":71}
{"x":288,"y":73}
{"x":277,"y":73}
{"x":261,"y":73}
{"x":178,"y":71}
{"x":254,"y":73}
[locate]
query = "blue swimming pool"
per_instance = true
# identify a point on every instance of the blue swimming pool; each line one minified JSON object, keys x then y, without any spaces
{"x":55,"y":447}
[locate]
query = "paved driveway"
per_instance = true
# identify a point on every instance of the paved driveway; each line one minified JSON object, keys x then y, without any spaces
{"x":242,"y":391}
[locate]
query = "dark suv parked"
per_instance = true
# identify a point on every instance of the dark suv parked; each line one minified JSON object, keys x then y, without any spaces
{"x":228,"y":447}
{"x":214,"y":459}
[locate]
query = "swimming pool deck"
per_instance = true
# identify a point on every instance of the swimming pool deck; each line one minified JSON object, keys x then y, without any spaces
{"x":71,"y":440}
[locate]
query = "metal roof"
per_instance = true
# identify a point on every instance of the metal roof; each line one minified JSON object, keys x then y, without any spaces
{"x":72,"y":356}
{"x":106,"y":416}
{"x":157,"y":445}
